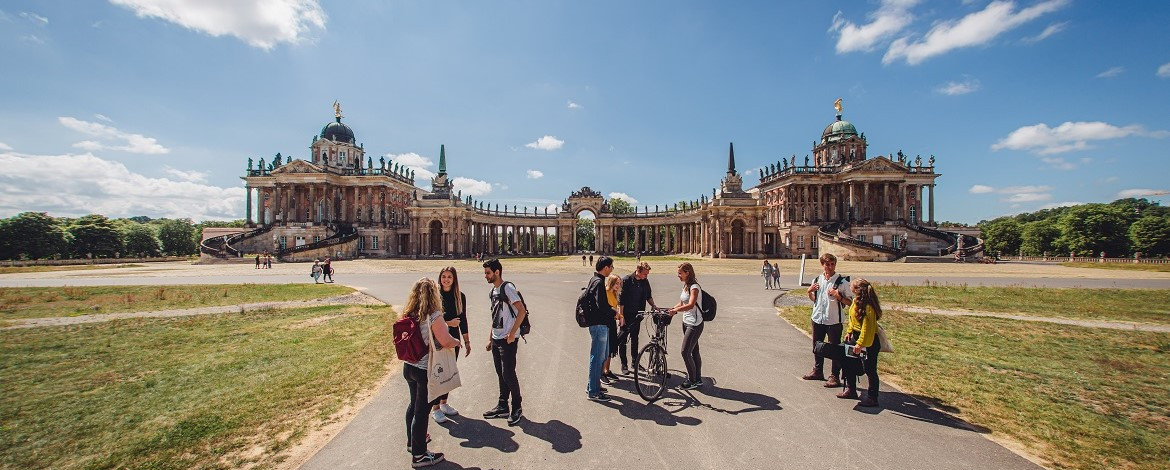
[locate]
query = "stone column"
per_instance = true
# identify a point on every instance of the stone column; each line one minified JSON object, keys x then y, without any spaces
{"x":759,"y":234}
{"x":248,"y":204}
{"x":931,"y":188}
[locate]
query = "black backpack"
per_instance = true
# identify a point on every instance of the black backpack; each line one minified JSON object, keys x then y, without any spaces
{"x":586,"y":303}
{"x":707,"y":305}
{"x":525,"y":325}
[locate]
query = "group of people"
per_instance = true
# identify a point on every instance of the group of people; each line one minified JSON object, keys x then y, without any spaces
{"x":771,"y":274}
{"x":842,"y":306}
{"x":322,"y":271}
{"x":264,"y":261}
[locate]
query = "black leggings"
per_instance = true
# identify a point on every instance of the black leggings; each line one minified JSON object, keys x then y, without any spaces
{"x":629,"y":333}
{"x":819,"y":332}
{"x":416,"y":411}
{"x":690,"y":352}
{"x":871,"y":373}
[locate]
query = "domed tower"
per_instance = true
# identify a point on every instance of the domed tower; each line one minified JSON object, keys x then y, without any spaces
{"x":336,"y":147}
{"x":840,"y":143}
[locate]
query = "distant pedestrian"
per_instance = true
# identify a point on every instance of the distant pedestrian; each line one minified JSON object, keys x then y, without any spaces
{"x":864,"y":313}
{"x":455,"y":314}
{"x":583,"y":260}
{"x":257,"y":261}
{"x":316,"y":272}
{"x":597,"y":320}
{"x":508,"y":312}
{"x":829,"y":303}
{"x":634,"y":296}
{"x":327,"y":269}
{"x":424,"y":306}
{"x":268,"y":261}
{"x":776,"y":275}
{"x":766,"y":272}
{"x":638,"y":257}
{"x":590,"y":259}
{"x":692,"y":322}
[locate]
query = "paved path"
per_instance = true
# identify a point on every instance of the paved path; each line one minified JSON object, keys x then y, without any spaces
{"x":356,"y":298}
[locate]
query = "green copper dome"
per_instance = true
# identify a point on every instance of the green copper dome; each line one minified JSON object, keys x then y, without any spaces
{"x":838,"y":130}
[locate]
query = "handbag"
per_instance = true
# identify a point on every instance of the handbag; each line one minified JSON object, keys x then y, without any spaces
{"x":884,"y":340}
{"x":442,"y":373}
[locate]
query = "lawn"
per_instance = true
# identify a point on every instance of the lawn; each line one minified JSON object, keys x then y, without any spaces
{"x":1079,"y":398}
{"x":210,"y":391}
{"x":41,"y":269}
{"x":42,"y":302}
{"x":1134,"y":305}
{"x":1161,"y":268}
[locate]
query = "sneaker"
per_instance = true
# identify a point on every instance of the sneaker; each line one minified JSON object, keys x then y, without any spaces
{"x":606,"y":379}
{"x":500,"y":411}
{"x":684,"y":385}
{"x":848,"y":393}
{"x":692,"y":385}
{"x":625,"y":370}
{"x":599,"y":397}
{"x":439,"y":417}
{"x":447,"y":410}
{"x":814,"y":375}
{"x":426,"y":460}
{"x":514,"y":418}
{"x":833,"y":382}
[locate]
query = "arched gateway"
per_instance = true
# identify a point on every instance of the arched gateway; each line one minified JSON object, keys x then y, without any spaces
{"x":349,"y":205}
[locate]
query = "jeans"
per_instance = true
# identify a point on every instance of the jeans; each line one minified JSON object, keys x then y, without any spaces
{"x":504,"y":358}
{"x":416,"y":411}
{"x":871,"y":356}
{"x":629,"y":333}
{"x":819,"y":332}
{"x":598,"y":351}
{"x":690,"y":352}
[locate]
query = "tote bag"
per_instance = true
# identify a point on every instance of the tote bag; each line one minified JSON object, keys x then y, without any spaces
{"x":884,"y":340}
{"x":442,"y":373}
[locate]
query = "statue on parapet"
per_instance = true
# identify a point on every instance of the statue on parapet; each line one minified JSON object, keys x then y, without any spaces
{"x":249,"y":163}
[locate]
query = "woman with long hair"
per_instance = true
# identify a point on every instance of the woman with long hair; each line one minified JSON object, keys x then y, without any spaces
{"x":864,"y":314}
{"x":613,"y":291}
{"x":692,"y":322}
{"x":455,"y":315}
{"x":424,"y":306}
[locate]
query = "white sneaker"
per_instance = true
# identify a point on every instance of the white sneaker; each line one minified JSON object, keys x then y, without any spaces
{"x":438,"y":416}
{"x":447,"y":410}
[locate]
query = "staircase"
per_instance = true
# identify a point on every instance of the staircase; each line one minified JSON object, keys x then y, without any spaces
{"x":221,"y":247}
{"x":342,"y":234}
{"x":834,"y":232}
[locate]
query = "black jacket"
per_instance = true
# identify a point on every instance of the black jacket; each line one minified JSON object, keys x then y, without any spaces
{"x":635,"y":293}
{"x":603,"y":314}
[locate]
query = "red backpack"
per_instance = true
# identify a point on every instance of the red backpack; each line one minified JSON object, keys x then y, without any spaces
{"x":408,"y":340}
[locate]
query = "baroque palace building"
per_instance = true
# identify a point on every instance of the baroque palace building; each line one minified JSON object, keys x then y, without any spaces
{"x":342,"y":204}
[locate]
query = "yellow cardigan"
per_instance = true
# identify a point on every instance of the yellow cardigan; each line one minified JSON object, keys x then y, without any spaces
{"x":613,"y":300}
{"x":867,"y":329}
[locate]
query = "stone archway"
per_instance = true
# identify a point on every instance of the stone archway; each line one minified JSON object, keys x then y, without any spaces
{"x":738,"y":237}
{"x":435,"y":238}
{"x":585,"y":233}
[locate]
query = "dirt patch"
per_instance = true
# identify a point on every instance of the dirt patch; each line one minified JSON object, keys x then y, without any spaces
{"x":316,"y":321}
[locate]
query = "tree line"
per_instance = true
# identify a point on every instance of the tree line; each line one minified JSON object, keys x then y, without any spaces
{"x":37,"y":235}
{"x":1120,"y":229}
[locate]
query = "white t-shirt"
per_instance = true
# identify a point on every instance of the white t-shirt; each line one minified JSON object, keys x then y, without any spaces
{"x":427,"y":336}
{"x":694,"y":316}
{"x":502,"y":325}
{"x":826,"y":310}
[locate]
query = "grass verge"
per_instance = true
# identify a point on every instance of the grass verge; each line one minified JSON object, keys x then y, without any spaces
{"x":41,"y":269}
{"x":42,"y":302}
{"x":1134,"y":305}
{"x":1160,"y":268}
{"x":1079,"y":398}
{"x":212,"y":391}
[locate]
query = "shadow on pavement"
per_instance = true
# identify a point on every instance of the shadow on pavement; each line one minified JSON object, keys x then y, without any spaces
{"x":477,"y":433}
{"x":564,"y":438}
{"x":756,"y":401}
{"x":919,"y":408}
{"x":638,"y":409}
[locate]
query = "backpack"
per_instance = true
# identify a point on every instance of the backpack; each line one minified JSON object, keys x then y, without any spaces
{"x":586,"y":303}
{"x":525,"y":325}
{"x":408,"y":340}
{"x":707,"y":305}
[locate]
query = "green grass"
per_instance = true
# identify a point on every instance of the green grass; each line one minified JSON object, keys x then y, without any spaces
{"x":41,"y":269}
{"x":1134,"y":305}
{"x":1161,"y":268}
{"x":211,"y":391}
{"x":1080,"y":398}
{"x":42,"y":302}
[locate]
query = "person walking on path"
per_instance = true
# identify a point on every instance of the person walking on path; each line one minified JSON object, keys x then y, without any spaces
{"x":776,"y":275}
{"x":257,"y":261}
{"x":597,"y":320}
{"x":583,"y":260}
{"x":829,"y":303}
{"x":864,"y":313}
{"x":316,"y":272}
{"x":455,"y":315}
{"x":328,"y":270}
{"x":613,"y":290}
{"x":505,"y":327}
{"x":424,"y":306}
{"x":635,"y":294}
{"x":692,"y":325}
{"x":766,"y":271}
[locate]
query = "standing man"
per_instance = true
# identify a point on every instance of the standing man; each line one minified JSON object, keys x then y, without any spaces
{"x":598,"y":319}
{"x":508,"y":313}
{"x":831,"y":296}
{"x":635,"y":294}
{"x":766,"y":271}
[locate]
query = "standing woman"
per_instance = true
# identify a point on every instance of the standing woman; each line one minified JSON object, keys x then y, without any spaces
{"x":766,"y":271}
{"x":424,"y":306}
{"x":455,"y":315}
{"x":613,"y":290}
{"x":692,"y":325}
{"x":863,"y":324}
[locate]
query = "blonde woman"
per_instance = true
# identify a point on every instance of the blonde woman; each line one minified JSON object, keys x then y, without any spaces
{"x":613,"y":291}
{"x":425,"y":307}
{"x":863,"y":324}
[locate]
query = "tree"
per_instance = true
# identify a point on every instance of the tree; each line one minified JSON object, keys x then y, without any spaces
{"x":1002,"y":235}
{"x":32,"y":235}
{"x":585,"y":233}
{"x":620,"y":206}
{"x":140,"y":240}
{"x":1040,"y":237}
{"x":1150,"y":235}
{"x":177,"y":237}
{"x":1092,"y":228}
{"x":95,"y":235}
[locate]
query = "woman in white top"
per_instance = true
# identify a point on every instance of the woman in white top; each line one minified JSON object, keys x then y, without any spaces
{"x":425,"y":307}
{"x":692,"y":325}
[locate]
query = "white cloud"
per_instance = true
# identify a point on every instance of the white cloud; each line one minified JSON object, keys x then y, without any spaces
{"x":1142,"y":193}
{"x":535,"y":174}
{"x":4,"y":146}
{"x":1025,"y":189}
{"x":411,"y":159}
{"x":1028,"y":197}
{"x":102,"y":117}
{"x":975,"y":29}
{"x":1015,"y":194}
{"x":134,"y":143}
{"x":547,"y":142}
{"x":573,"y":105}
{"x":968,"y":85}
{"x":1164,"y":70}
{"x":260,"y":23}
{"x":1113,"y":72}
{"x":471,"y":187}
{"x":1048,"y":32}
{"x":981,"y":189}
{"x":34,"y":17}
{"x":553,"y":208}
{"x":1054,"y":205}
{"x":624,"y":197}
{"x":1062,"y":164}
{"x":192,"y":176}
{"x":889,"y":19}
{"x":32,"y":38}
{"x":1067,"y":137}
{"x":74,"y":185}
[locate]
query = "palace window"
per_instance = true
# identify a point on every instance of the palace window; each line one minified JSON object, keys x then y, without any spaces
{"x":814,"y":243}
{"x":283,"y":242}
{"x":316,"y":238}
{"x":375,"y":244}
{"x":361,"y":243}
{"x":861,"y":237}
{"x":913,"y":214}
{"x":800,"y":242}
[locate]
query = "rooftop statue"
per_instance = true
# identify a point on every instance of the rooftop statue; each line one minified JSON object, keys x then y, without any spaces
{"x":837,"y":105}
{"x":249,"y":163}
{"x":336,"y":109}
{"x":382,"y":160}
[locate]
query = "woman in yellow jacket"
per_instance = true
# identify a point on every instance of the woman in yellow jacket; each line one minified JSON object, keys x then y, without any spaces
{"x":864,"y":314}
{"x":613,"y":291}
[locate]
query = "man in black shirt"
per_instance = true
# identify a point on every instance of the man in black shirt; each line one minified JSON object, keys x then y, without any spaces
{"x":635,"y":294}
{"x":597,"y":319}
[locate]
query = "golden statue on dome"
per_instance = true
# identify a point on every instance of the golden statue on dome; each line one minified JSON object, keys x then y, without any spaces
{"x":837,"y":105}
{"x":337,"y":109}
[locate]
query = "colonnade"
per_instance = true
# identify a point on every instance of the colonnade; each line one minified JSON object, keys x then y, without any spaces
{"x":318,"y":203}
{"x":852,"y":201}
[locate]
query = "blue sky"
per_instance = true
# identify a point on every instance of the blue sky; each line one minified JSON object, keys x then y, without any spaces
{"x":152,"y":107}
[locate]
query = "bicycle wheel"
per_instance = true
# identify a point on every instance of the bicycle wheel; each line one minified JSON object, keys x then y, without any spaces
{"x":650,"y":372}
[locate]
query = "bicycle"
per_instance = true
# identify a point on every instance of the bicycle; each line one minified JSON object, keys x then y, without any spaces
{"x":650,"y":371}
